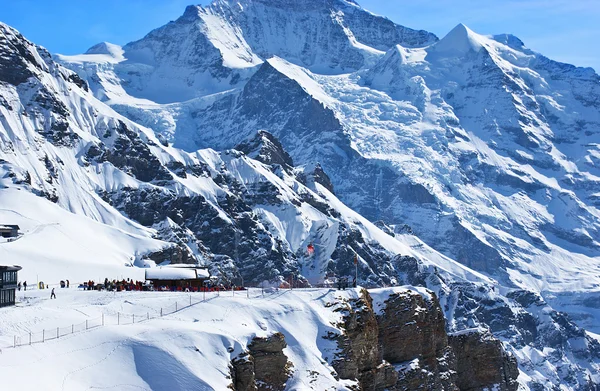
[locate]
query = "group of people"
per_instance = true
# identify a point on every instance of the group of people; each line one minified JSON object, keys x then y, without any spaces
{"x":115,"y":285}
{"x":42,"y":286}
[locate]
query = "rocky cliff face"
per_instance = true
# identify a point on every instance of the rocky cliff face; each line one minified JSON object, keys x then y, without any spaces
{"x":481,"y":361}
{"x":263,"y":367}
{"x":402,"y":344}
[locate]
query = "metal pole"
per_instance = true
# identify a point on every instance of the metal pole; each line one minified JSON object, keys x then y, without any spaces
{"x":175,"y":306}
{"x":57,"y":333}
{"x":86,"y":324}
{"x":204,"y":294}
{"x":43,"y":335}
{"x":147,"y":315}
{"x":30,"y":337}
{"x":161,"y":312}
{"x":190,"y":300}
{"x":102,"y":319}
{"x":72,"y":328}
{"x":132,"y":318}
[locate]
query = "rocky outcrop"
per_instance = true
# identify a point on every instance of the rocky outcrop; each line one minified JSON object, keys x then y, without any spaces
{"x":405,"y":347}
{"x":482,"y":363}
{"x":263,"y":366}
{"x":267,"y":149}
{"x":412,"y":332}
{"x":360,"y":354}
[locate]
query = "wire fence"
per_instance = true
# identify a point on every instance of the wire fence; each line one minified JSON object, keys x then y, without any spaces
{"x":118,"y":319}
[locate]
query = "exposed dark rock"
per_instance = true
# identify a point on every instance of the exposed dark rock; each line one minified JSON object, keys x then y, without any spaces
{"x":130,"y":154}
{"x":267,"y":149}
{"x":263,"y":367}
{"x":78,"y":81}
{"x":410,"y":333}
{"x":15,"y":58}
{"x":482,"y":363}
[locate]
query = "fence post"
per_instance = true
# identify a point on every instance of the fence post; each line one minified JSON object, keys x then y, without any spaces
{"x":190,"y":300}
{"x":57,"y":333}
{"x":232,"y":292}
{"x":43,"y":335}
{"x":203,"y":294}
{"x":161,"y":312}
{"x":175,"y":306}
{"x":30,"y":337}
{"x":86,"y":324}
{"x":147,"y":315}
{"x":132,"y":318}
{"x":72,"y":328}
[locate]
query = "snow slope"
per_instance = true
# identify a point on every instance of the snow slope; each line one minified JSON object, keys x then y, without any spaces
{"x":188,"y":350}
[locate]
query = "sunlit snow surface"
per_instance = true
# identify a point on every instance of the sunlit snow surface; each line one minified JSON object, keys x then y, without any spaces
{"x":187,"y":350}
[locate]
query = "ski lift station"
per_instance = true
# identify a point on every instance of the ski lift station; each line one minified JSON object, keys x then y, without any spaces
{"x":8,"y":285}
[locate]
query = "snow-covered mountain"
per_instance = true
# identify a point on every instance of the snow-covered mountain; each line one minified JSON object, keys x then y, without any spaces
{"x":487,"y":150}
{"x":245,"y":130}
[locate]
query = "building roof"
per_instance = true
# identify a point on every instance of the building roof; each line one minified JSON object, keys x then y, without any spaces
{"x":176,"y":273}
{"x":10,"y":268}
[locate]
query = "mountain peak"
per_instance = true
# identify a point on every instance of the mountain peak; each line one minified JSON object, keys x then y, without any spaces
{"x":106,"y":48}
{"x":460,"y":40}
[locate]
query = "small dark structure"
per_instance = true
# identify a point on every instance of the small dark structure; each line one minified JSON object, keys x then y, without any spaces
{"x":8,"y":285}
{"x":178,"y":277}
{"x":9,"y":231}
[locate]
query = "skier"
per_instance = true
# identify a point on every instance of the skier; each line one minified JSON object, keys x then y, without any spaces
{"x":67,"y":283}
{"x":25,"y":285}
{"x":19,"y":285}
{"x":52,"y":294}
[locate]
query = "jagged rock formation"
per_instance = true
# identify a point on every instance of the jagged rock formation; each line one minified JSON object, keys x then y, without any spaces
{"x":405,"y":346}
{"x":263,"y":367}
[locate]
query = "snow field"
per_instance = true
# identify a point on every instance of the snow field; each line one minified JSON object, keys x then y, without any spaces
{"x":187,"y":350}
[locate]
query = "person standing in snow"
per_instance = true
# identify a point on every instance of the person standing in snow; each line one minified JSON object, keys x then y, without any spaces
{"x":25,"y":285}
{"x":52,"y":294}
{"x":19,"y":286}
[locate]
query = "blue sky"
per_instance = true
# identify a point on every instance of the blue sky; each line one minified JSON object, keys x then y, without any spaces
{"x":564,"y":30}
